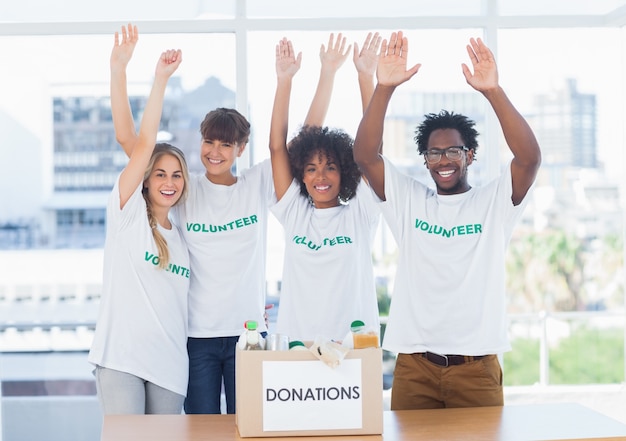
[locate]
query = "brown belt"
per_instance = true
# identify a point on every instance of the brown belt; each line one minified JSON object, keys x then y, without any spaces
{"x":449,"y":360}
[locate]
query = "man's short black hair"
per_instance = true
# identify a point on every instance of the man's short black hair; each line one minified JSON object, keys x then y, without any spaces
{"x":446,"y":120}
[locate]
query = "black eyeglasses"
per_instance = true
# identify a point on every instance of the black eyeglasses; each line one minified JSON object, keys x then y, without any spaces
{"x":453,"y":153}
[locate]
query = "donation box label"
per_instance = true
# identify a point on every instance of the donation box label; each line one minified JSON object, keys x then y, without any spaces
{"x":309,"y":395}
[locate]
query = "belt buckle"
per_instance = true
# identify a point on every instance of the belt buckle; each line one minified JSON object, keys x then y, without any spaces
{"x":444,"y":359}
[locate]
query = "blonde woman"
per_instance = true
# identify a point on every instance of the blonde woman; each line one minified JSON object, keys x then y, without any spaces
{"x":139,"y":347}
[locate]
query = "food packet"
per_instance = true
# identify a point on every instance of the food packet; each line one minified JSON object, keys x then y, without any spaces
{"x":328,"y":351}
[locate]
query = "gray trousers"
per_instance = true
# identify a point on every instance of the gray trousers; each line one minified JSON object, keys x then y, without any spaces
{"x":122,"y":393}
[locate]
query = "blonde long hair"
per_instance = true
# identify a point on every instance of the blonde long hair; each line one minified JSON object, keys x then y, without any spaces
{"x":162,"y":149}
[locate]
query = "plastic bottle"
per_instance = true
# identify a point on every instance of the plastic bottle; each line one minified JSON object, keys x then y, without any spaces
{"x":251,"y":340}
{"x":362,"y":337}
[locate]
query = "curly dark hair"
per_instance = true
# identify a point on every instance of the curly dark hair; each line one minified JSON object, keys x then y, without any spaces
{"x":331,"y":143}
{"x":446,"y":120}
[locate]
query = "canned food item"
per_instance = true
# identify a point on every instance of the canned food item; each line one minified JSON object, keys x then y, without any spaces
{"x":278,"y":342}
{"x":297,"y":345}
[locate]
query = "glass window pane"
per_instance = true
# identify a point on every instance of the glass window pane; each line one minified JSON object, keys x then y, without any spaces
{"x":61,"y":160}
{"x":568,"y":254}
{"x":62,"y":88}
{"x":439,"y":83}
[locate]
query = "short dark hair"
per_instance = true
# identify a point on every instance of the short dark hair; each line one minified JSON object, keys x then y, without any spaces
{"x":331,"y":143}
{"x":225,"y":125}
{"x":446,"y":120}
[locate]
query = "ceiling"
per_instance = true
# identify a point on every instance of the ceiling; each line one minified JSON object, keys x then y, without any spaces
{"x":609,"y":12}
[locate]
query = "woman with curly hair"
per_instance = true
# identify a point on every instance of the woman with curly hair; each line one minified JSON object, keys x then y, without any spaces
{"x":329,"y":216}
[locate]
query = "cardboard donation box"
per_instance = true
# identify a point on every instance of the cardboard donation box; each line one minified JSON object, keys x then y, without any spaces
{"x":293,"y":393}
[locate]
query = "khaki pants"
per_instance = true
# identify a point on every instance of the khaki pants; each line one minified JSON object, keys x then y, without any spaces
{"x":420,"y":384}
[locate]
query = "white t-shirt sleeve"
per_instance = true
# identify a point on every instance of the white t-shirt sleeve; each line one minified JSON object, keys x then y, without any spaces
{"x":134,"y":207}
{"x":262,"y":173}
{"x":512,"y":213}
{"x":368,"y":203}
{"x":397,"y":195}
{"x":284,"y":208}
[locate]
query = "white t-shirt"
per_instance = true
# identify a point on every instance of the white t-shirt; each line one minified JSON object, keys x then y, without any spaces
{"x":328,"y":279}
{"x":449,"y":294}
{"x":142,"y":322}
{"x":225,"y":227}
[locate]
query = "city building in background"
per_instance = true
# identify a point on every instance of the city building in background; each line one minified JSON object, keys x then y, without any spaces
{"x":87,"y":160}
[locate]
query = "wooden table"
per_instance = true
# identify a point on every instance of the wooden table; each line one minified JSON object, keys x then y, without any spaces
{"x":509,"y":423}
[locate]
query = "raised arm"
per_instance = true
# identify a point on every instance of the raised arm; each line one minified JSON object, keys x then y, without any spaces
{"x":121,"y":54}
{"x":518,"y":134}
{"x":287,"y":65}
{"x":133,"y":174}
{"x":332,"y":59}
{"x":365,"y":61}
{"x":391,"y":72}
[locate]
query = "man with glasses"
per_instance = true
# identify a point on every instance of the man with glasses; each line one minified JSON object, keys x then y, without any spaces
{"x":447,"y":319}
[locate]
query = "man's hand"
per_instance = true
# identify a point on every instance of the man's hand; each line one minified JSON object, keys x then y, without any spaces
{"x":485,"y":75}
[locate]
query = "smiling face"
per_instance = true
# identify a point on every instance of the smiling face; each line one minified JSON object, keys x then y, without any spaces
{"x":218,"y":158}
{"x":322,"y":178}
{"x":166,"y":182}
{"x":225,"y":133}
{"x":450,"y":176}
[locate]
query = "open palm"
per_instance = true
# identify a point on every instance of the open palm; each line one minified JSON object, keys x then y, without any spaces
{"x":123,"y":47}
{"x":366,"y":60}
{"x":287,"y":64}
{"x":336,"y":54}
{"x":484,"y":73}
{"x":392,"y":69}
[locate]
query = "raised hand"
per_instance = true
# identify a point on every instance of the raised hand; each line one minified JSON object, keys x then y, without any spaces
{"x":366,"y":60}
{"x":392,"y":70}
{"x":287,"y":64}
{"x":336,"y":54}
{"x":168,"y":63}
{"x":122,"y":50}
{"x":485,"y":75}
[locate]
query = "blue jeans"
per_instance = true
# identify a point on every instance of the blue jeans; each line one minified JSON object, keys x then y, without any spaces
{"x":211,"y":363}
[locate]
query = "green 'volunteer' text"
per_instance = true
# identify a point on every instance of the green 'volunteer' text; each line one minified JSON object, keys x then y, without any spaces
{"x":327,"y":242}
{"x":459,"y":230}
{"x":233,"y":225}
{"x":172,"y":268}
